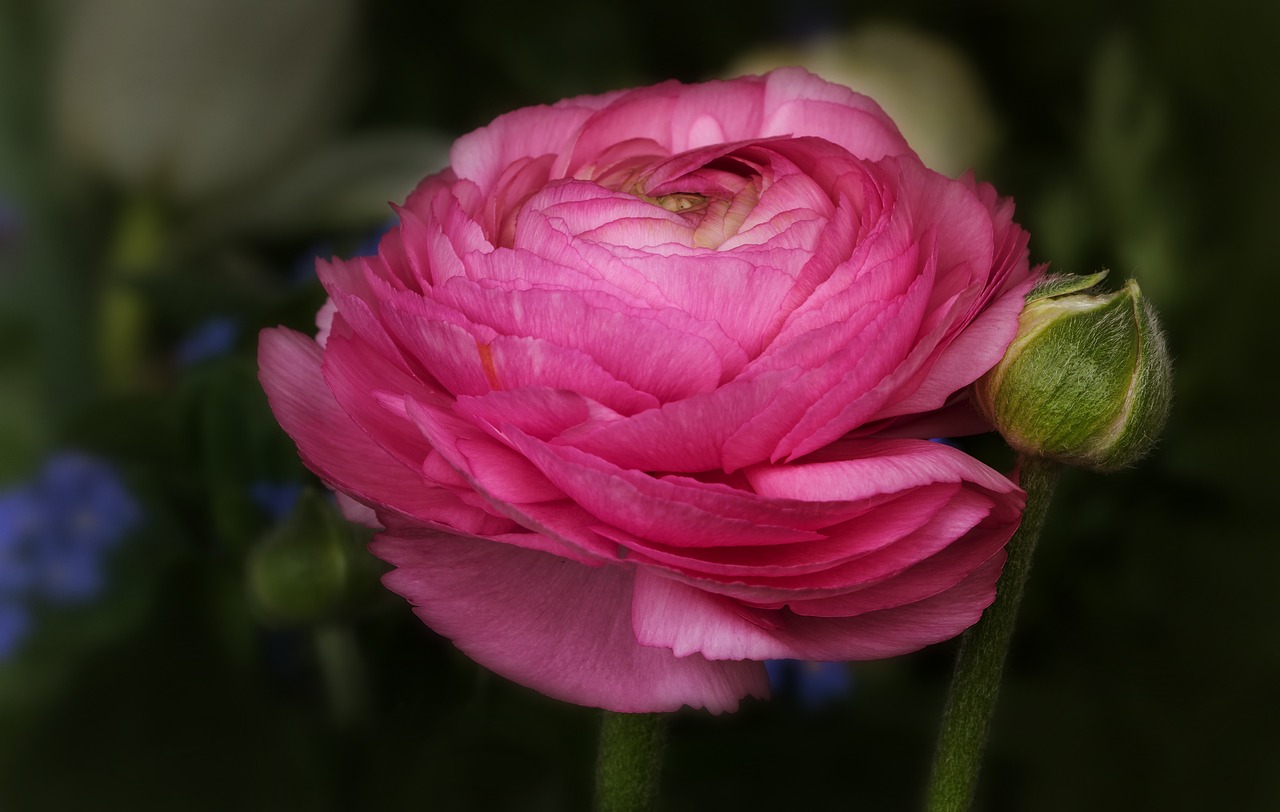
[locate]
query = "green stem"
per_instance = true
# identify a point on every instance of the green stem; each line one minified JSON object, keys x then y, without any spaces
{"x":140,"y":244}
{"x":629,"y":761}
{"x":976,"y":679}
{"x":342,"y":668}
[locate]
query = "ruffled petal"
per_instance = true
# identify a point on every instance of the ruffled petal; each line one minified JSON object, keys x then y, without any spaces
{"x":340,"y":452}
{"x":690,"y":621}
{"x":555,"y":626}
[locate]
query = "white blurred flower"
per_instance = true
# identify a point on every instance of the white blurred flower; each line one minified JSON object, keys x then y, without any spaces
{"x":925,"y":84}
{"x":230,"y":105}
{"x":195,"y":97}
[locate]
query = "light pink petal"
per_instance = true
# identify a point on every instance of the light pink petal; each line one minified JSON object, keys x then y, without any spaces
{"x":555,"y":626}
{"x":596,"y":214}
{"x":882,"y":265}
{"x":875,"y":538}
{"x":356,"y":512}
{"x":677,"y":117}
{"x":798,"y":103}
{"x":547,"y":256}
{"x":482,"y":155}
{"x":706,"y":432}
{"x":741,"y":295}
{"x":860,"y":469}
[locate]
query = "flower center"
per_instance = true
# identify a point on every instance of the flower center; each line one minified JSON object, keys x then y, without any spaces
{"x":679,"y":202}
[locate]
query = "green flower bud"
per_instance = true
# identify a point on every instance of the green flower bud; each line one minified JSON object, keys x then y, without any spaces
{"x":311,"y":568}
{"x":1087,"y":380}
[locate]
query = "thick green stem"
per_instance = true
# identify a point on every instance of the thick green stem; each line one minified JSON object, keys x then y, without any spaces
{"x":976,"y":680}
{"x":629,"y":761}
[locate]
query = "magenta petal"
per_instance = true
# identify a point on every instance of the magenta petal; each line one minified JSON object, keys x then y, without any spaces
{"x":690,"y":621}
{"x":785,"y":569}
{"x":675,"y":511}
{"x":555,"y":626}
{"x":340,"y":452}
{"x":697,"y":434}
{"x":471,"y":453}
{"x":662,"y":352}
{"x":859,"y":469}
{"x":931,"y":576}
{"x":978,"y":348}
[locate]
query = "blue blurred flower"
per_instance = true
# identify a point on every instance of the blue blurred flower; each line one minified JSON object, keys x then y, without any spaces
{"x":304,"y":270}
{"x":15,"y":621}
{"x":19,"y":517}
{"x":55,"y":531}
{"x":212,"y":339}
{"x":275,"y":499}
{"x":815,"y":685}
{"x":369,"y":247}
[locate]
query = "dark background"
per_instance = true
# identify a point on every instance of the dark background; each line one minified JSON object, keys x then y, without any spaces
{"x":1144,"y":670}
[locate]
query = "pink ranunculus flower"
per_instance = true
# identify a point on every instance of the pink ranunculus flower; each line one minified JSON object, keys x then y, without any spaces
{"x":639,"y":391}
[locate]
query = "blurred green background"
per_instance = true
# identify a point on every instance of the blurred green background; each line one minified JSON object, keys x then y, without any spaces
{"x":168,"y":171}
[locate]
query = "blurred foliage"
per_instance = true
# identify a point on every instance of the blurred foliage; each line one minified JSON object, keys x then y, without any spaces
{"x":1139,"y":137}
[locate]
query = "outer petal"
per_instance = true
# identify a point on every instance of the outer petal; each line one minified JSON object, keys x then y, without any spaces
{"x":338,"y":450}
{"x":688,"y":620}
{"x":555,"y":626}
{"x":800,"y":103}
{"x":483,"y":155}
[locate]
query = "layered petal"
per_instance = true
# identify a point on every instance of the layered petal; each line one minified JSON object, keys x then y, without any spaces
{"x":555,"y":626}
{"x":638,"y":390}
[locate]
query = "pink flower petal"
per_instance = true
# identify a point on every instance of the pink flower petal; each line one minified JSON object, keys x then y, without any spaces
{"x":768,"y":572}
{"x":679,"y":118}
{"x":692,"y":622}
{"x":483,"y":155}
{"x":799,"y":103}
{"x":660,"y":352}
{"x":342,"y":454}
{"x":555,"y":626}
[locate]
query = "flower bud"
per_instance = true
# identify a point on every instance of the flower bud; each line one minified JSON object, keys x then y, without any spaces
{"x":1087,"y":380}
{"x":310,"y":569}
